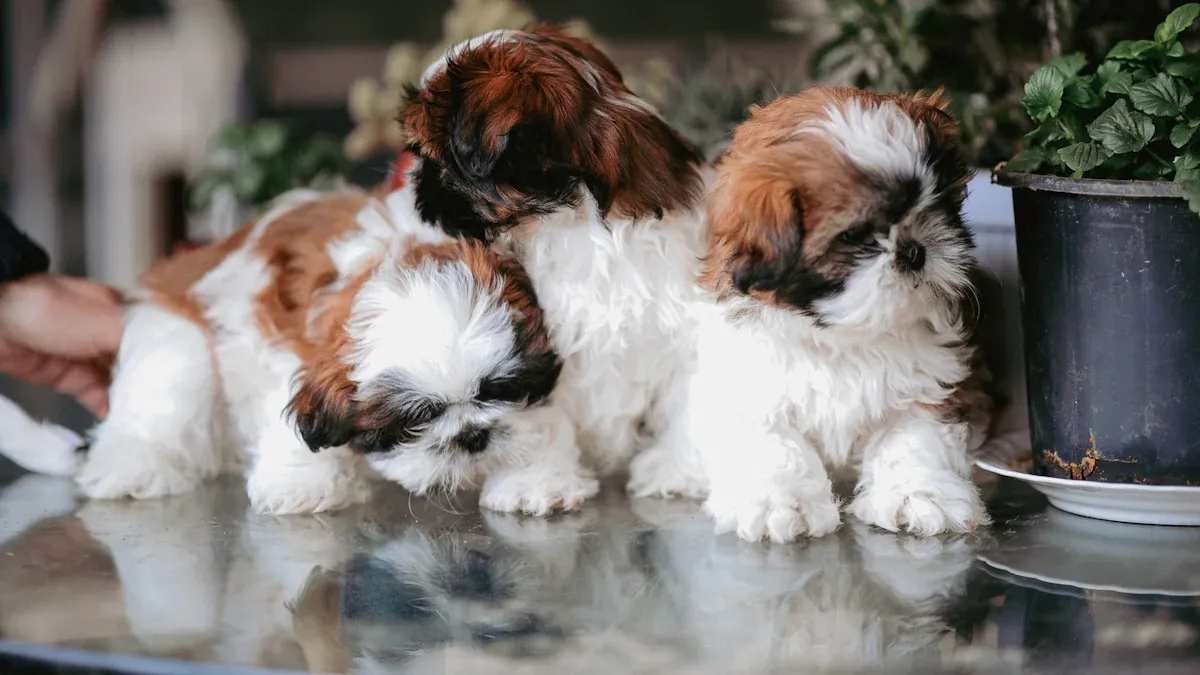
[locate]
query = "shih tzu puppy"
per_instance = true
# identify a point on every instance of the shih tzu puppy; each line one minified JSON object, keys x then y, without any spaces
{"x":529,"y":140}
{"x":335,"y":328}
{"x":838,"y":263}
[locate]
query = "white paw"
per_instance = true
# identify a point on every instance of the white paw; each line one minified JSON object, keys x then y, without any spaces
{"x":313,"y":487}
{"x":659,"y":472}
{"x":117,"y":467}
{"x":774,"y":516}
{"x":949,"y":505}
{"x":537,"y":493}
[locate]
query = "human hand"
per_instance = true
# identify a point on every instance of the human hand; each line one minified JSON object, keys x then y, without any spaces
{"x":61,"y":332}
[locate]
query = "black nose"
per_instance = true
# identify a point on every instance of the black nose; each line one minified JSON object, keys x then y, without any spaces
{"x":474,"y":440}
{"x":910,"y":255}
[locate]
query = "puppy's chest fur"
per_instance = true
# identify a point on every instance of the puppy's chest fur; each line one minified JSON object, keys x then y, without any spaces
{"x":836,"y":392}
{"x":615,"y":295}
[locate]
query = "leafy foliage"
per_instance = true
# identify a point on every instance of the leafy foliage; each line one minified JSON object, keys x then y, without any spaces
{"x":981,"y":51}
{"x":1136,"y":117}
{"x":260,"y":161}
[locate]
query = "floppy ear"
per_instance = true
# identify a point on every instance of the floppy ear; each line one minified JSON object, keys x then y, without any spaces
{"x":757,"y":223}
{"x":477,"y":146}
{"x":323,"y":408}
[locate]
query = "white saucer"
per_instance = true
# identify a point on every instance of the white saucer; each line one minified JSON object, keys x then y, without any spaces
{"x":1065,"y":552}
{"x":1117,"y":502}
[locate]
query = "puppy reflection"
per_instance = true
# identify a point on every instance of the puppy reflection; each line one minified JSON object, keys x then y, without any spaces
{"x":418,"y":594}
{"x":861,"y":599}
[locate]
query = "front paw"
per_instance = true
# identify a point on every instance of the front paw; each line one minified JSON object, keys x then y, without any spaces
{"x":778,"y":517}
{"x":128,"y":467}
{"x":307,"y":488}
{"x":660,"y":472}
{"x":537,"y":493}
{"x":930,"y":508}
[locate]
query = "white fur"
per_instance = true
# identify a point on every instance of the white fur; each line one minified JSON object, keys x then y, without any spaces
{"x":879,"y":138}
{"x":465,"y":331}
{"x":615,"y":295}
{"x":778,"y":400}
{"x":188,"y":403}
{"x":42,"y":447}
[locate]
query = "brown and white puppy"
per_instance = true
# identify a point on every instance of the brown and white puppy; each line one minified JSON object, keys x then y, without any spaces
{"x":530,"y":140}
{"x":839,"y":262}
{"x":335,"y":327}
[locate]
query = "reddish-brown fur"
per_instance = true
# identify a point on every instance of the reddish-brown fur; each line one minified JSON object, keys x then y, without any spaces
{"x":784,"y":198}
{"x":641,"y":167}
{"x":299,"y":311}
{"x":781,"y":199}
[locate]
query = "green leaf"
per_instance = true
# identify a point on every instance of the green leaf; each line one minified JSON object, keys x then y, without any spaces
{"x":1187,"y":67}
{"x":230,"y":137}
{"x":1069,"y":64}
{"x":1187,"y":166}
{"x":1044,"y":93}
{"x":1081,"y":93}
{"x":1175,"y":50}
{"x":1120,"y":129}
{"x":267,"y":139}
{"x":1150,"y":170}
{"x":247,"y":179}
{"x":1182,"y":133}
{"x":1131,"y":50}
{"x":1177,"y":22}
{"x":1120,"y":83}
{"x":1083,"y":156}
{"x":1191,"y":192}
{"x":1164,"y":95}
{"x":1106,"y":70}
{"x":1117,"y":162}
{"x":1027,"y":162}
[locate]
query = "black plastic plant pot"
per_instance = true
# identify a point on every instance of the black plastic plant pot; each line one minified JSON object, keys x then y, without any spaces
{"x":1110,"y":300}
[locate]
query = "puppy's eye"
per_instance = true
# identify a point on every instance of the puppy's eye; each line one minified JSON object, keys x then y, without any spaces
{"x":858,"y":235}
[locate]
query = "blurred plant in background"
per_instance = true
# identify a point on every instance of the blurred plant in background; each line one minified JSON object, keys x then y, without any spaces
{"x":981,"y":51}
{"x":250,"y":164}
{"x":705,"y":104}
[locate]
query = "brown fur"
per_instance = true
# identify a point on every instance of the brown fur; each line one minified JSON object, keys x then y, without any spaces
{"x":170,"y":280}
{"x":780,"y":198}
{"x":636,"y":166}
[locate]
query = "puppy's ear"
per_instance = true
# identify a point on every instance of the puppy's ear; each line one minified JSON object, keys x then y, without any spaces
{"x":756,"y":220}
{"x":538,"y":364}
{"x":323,"y":408}
{"x":478,"y":145}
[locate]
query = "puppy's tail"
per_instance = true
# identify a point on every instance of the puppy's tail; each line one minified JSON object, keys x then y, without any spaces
{"x":41,"y":447}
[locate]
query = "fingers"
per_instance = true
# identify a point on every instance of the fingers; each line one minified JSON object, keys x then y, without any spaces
{"x":85,"y":381}
{"x":61,"y":316}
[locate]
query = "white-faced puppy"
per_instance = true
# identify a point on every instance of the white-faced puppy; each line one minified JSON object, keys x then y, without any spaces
{"x":839,"y":261}
{"x":334,"y":328}
{"x":531,"y":141}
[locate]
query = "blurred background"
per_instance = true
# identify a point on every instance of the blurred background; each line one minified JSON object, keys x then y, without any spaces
{"x":130,"y":128}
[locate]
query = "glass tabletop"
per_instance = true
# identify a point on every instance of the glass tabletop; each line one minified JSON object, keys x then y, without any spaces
{"x":407,"y":585}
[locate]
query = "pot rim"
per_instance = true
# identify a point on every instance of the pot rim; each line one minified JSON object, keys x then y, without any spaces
{"x":1126,"y":189}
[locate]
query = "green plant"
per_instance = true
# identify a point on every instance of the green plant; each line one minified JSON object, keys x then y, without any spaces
{"x":1136,"y":117}
{"x":259,"y":161}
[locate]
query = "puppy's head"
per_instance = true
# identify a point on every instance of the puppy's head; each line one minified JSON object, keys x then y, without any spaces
{"x":440,"y":349}
{"x":514,"y":124}
{"x":845,"y":206}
